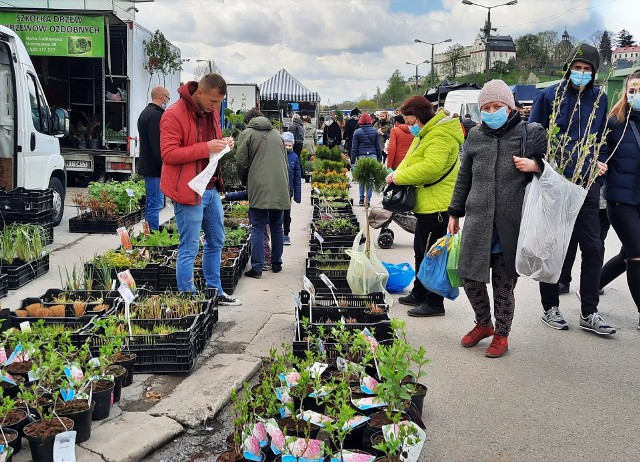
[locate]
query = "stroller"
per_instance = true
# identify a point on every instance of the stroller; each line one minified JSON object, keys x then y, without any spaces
{"x":380,"y":218}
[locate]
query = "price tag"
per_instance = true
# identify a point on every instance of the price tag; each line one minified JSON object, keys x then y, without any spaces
{"x":25,"y":327}
{"x":125,"y":240}
{"x":64,"y":447}
{"x":130,"y":192}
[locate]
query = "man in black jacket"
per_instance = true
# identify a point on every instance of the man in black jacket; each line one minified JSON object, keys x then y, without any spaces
{"x":150,"y":162}
{"x":350,"y":127}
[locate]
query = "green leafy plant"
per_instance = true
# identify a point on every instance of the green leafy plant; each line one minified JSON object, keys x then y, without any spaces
{"x":157,"y":238}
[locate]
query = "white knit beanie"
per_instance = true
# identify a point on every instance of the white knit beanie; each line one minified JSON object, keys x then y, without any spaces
{"x":496,"y":90}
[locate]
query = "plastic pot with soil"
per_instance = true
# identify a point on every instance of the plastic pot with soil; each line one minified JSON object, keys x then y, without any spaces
{"x":375,"y":424}
{"x":297,"y":427}
{"x":119,"y":375}
{"x":126,"y":360}
{"x":16,"y":420}
{"x":417,"y":396}
{"x":41,"y":435}
{"x":80,"y":412}
{"x":12,"y":438}
{"x":103,"y":398}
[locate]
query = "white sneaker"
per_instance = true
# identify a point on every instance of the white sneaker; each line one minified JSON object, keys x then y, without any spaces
{"x":596,"y":323}
{"x":226,"y":300}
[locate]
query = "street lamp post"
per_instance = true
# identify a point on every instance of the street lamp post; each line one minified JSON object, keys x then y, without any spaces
{"x":487,"y":31}
{"x":433,"y":44}
{"x":416,"y":65}
{"x":206,"y":61}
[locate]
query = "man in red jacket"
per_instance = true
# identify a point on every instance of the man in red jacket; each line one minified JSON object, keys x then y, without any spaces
{"x":189,"y":132}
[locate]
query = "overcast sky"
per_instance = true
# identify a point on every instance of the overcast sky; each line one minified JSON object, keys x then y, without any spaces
{"x":344,"y":49}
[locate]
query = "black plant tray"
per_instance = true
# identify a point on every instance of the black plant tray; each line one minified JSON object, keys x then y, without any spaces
{"x":167,"y":278}
{"x":144,"y":277}
{"x":330,"y":346}
{"x":26,"y":201}
{"x":78,"y":324}
{"x":349,"y":299}
{"x":323,"y":313}
{"x":20,"y":275}
{"x":333,"y":274}
{"x":317,"y":200}
{"x":333,"y":243}
{"x":340,"y":283}
{"x":86,"y":225}
{"x":4,"y":285}
{"x":381,"y":330}
{"x":109,"y":297}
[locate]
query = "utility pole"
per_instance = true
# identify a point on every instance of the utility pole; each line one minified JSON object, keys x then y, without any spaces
{"x":432,"y":61}
{"x":416,"y":65}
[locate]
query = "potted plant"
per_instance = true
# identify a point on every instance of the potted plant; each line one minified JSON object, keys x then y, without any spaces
{"x":79,"y":133}
{"x":12,"y":421}
{"x":371,"y":174}
{"x":94,"y":123}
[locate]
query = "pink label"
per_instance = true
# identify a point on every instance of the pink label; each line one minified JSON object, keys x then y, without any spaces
{"x":111,"y":400}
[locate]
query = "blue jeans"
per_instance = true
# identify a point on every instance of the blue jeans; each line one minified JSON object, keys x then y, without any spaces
{"x":155,"y":201}
{"x":259,"y":219}
{"x":209,"y":217}
{"x":369,"y":191}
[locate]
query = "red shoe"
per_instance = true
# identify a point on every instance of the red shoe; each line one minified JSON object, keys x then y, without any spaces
{"x":498,"y":347}
{"x":477,"y":333}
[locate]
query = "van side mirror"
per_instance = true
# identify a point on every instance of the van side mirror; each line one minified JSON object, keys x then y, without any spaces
{"x":60,"y":123}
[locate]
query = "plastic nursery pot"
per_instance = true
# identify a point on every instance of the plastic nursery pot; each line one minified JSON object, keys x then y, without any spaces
{"x":80,"y":412}
{"x":41,"y":435}
{"x":232,"y":456}
{"x":126,"y":360}
{"x":13,"y":439}
{"x":16,"y":420}
{"x":417,"y":397}
{"x":119,"y":374}
{"x":103,"y":399}
{"x":375,"y":424}
{"x":376,"y":438}
{"x":295,"y":427}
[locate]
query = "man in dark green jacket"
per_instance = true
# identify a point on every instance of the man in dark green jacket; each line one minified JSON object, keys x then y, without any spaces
{"x":264,"y":169}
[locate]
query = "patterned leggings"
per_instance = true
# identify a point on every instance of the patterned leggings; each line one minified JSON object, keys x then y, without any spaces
{"x":503,"y":299}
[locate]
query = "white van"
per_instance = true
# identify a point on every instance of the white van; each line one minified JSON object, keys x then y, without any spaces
{"x":29,"y":130}
{"x":463,"y":102}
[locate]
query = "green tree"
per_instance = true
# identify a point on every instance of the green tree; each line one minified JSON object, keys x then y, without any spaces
{"x":530,"y":51}
{"x":604,"y":47}
{"x":625,"y":39}
{"x":548,"y":41}
{"x":397,"y":90}
{"x":456,"y":60}
{"x":366,"y":105}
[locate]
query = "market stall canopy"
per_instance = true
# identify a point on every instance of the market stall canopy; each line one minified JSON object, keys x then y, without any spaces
{"x":285,"y":87}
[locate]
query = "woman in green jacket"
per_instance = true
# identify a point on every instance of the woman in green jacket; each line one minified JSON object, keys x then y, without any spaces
{"x":431,"y":164}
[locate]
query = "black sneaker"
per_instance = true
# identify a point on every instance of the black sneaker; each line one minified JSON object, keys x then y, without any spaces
{"x":425,"y":311}
{"x":563,"y":288}
{"x":408,"y":300}
{"x":253,"y":274}
{"x":361,"y":203}
{"x":276,"y":267}
{"x":226,"y":300}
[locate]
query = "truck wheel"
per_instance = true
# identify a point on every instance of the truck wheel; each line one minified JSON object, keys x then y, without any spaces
{"x":58,"y":200}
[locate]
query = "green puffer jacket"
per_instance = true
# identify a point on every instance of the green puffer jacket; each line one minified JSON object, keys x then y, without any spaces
{"x":430,"y":156}
{"x":263,"y":166}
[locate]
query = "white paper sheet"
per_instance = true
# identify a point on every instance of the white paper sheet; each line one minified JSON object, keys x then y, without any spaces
{"x":200,"y":182}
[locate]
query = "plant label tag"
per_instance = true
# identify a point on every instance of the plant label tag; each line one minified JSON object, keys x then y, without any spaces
{"x":324,"y":278}
{"x":145,"y":228}
{"x":125,"y":241}
{"x":130,"y":192}
{"x":64,"y":447}
{"x":6,"y":377}
{"x":413,"y":439}
{"x":317,"y":369}
{"x":25,"y":327}
{"x":3,"y":355}
{"x":315,"y":418}
{"x":125,"y":278}
{"x":318,"y":237}
{"x":202,"y":239}
{"x":315,"y":190}
{"x":309,"y":287}
{"x":33,"y":376}
{"x":16,"y":351}
{"x":126,"y":293}
{"x":67,"y":393}
{"x":5,"y":452}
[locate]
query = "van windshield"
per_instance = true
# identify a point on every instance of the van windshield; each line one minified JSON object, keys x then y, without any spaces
{"x":474,"y":111}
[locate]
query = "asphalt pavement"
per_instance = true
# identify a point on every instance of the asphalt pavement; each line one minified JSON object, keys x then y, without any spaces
{"x":555,"y":396}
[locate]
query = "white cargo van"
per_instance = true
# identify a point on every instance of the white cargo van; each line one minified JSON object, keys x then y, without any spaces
{"x":29,"y":130}
{"x":463,"y":102}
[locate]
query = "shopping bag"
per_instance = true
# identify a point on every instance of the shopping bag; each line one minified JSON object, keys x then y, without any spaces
{"x":400,"y":276}
{"x":366,"y":275}
{"x":452,"y":260}
{"x":433,"y":269}
{"x":549,"y":211}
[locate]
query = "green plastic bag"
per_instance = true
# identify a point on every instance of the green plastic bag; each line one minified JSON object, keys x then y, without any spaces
{"x":452,"y":261}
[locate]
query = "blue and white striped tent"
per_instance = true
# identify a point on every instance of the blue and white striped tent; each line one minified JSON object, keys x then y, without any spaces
{"x":285,"y":87}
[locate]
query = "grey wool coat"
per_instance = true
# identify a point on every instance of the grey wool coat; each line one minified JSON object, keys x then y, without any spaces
{"x":490,"y":189}
{"x":263,"y":166}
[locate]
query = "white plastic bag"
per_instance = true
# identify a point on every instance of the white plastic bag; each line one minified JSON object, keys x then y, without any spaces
{"x":549,"y":211}
{"x":366,"y":275}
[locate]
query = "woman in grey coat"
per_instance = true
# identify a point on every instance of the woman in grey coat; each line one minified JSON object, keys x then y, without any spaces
{"x":496,"y":165}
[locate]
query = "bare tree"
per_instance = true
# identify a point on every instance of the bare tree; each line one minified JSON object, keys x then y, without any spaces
{"x":456,"y":61}
{"x":202,"y":69}
{"x":548,"y":42}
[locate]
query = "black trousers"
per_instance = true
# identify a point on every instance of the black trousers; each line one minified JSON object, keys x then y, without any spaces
{"x":587,"y":234}
{"x":625,"y":219}
{"x":565,"y":276}
{"x":297,"y":148}
{"x":287,"y":221}
{"x":429,"y":228}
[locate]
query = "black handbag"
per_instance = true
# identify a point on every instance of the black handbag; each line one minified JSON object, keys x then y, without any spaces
{"x":399,"y":199}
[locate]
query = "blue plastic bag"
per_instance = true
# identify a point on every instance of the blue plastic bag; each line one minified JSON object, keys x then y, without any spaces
{"x":400,"y":276}
{"x":433,"y":269}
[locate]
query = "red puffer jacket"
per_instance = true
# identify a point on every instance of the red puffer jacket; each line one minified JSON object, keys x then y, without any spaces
{"x":399,"y":143}
{"x":184,"y":132}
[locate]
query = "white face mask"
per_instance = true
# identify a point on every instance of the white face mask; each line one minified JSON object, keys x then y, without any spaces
{"x":328,"y":122}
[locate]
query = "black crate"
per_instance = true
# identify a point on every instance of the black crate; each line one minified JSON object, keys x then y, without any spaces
{"x":147,"y":277}
{"x":333,"y":274}
{"x":319,"y":314}
{"x":78,"y":324}
{"x":85,"y":225}
{"x":340,"y":283}
{"x":109,"y":297}
{"x":38,"y":218}
{"x":4,"y":285}
{"x":19,"y":275}
{"x":26,"y":201}
{"x":349,"y":299}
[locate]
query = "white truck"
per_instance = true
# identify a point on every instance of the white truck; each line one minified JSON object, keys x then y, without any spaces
{"x":29,"y":129}
{"x":93,"y":64}
{"x":463,"y":102}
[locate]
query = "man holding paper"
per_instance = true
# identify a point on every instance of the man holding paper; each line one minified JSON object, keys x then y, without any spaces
{"x":191,"y":135}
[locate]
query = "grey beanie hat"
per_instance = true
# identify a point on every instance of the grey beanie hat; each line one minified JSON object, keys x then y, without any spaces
{"x":287,"y":137}
{"x":496,"y":90}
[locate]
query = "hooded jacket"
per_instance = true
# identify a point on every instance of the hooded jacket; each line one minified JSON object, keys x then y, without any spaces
{"x":184,"y":133}
{"x":431,"y":155}
{"x":583,"y":101}
{"x":263,"y":165}
{"x":310,"y":138}
{"x":399,"y":143}
{"x":365,"y":143}
{"x":297,"y":129}
{"x":623,"y":175}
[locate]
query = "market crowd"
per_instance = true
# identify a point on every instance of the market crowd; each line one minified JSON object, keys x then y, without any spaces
{"x":460,"y":169}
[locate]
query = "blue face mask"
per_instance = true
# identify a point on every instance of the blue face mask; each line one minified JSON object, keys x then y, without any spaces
{"x":414,"y":129}
{"x":634,"y":101}
{"x":495,"y":119}
{"x":580,"y":79}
